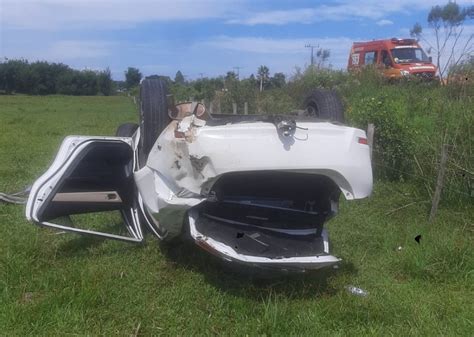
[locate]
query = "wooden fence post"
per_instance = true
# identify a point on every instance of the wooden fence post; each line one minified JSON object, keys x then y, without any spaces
{"x":439,"y":182}
{"x":234,"y":108}
{"x":370,"y":137}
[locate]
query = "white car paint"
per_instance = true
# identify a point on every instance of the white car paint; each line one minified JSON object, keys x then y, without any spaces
{"x":181,"y":171}
{"x":189,"y":156}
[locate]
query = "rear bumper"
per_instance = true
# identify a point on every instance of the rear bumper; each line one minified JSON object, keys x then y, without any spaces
{"x":228,"y":254}
{"x":190,"y":166}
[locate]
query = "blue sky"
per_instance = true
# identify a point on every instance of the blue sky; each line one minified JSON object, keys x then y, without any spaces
{"x":209,"y":37}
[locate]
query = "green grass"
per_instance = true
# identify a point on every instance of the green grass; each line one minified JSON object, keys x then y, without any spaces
{"x":67,"y":284}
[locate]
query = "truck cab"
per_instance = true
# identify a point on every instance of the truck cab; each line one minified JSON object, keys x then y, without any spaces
{"x":395,"y":58}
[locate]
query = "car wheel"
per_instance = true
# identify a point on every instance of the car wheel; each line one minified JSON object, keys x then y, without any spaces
{"x":325,"y":104}
{"x":126,"y":130}
{"x":154,"y":116}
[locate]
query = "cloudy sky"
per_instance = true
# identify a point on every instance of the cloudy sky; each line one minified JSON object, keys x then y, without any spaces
{"x":199,"y":37}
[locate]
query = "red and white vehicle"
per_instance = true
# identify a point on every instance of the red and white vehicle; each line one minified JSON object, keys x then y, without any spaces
{"x":250,"y":189}
{"x":395,"y":58}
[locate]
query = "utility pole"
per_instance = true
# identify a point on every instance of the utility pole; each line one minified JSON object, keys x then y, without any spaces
{"x":312,"y":52}
{"x":238,"y":71}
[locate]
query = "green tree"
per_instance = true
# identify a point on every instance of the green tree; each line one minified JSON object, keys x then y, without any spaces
{"x":231,"y":76}
{"x":43,"y":77}
{"x":230,"y":79}
{"x":105,"y":83}
{"x":238,"y":92}
{"x":322,"y":55}
{"x":66,"y":83}
{"x":447,"y":23}
{"x":132,"y":77}
{"x":278,"y":80}
{"x":87,"y":83}
{"x":179,"y":78}
{"x":11,"y":72}
{"x":252,"y":80}
{"x":207,"y":87}
{"x":263,"y":73}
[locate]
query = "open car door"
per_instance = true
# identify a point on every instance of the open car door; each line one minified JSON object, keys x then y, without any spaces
{"x":89,"y":174}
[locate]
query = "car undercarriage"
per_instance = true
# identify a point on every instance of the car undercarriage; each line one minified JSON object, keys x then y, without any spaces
{"x":254,"y":190}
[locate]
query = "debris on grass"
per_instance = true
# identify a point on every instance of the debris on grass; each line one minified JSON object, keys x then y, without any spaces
{"x":28,"y":297}
{"x":357,"y":291}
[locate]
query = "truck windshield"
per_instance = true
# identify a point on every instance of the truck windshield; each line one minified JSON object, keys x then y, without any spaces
{"x":409,"y":55}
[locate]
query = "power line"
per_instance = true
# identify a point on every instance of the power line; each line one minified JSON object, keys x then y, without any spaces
{"x":238,"y":71}
{"x":312,"y":51}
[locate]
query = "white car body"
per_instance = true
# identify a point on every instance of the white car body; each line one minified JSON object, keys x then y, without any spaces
{"x":181,"y":175}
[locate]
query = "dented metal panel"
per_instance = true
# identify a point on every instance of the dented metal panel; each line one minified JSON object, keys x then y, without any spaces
{"x":192,"y":155}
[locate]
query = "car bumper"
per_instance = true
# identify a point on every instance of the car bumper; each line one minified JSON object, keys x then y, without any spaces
{"x":229,"y":254}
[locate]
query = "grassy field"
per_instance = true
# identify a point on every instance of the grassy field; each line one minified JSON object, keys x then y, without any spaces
{"x":66,"y":284}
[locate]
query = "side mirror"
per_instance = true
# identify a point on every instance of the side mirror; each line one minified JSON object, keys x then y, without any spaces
{"x":430,"y":59}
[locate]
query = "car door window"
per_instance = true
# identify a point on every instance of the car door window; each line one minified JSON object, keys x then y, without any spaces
{"x":370,"y":57}
{"x":386,"y":58}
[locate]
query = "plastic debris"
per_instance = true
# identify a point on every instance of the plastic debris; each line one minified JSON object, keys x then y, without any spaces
{"x":15,"y":198}
{"x":357,"y":291}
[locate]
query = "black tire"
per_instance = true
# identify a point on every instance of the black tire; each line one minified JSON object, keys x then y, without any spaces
{"x":126,"y":130}
{"x":154,"y":116}
{"x":325,"y":104}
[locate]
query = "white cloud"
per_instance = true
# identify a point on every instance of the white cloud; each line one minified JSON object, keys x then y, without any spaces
{"x":384,"y":22}
{"x":64,"y":14}
{"x":303,"y":15}
{"x":64,"y":51}
{"x":110,"y":14}
{"x":283,"y":54}
{"x":71,"y":49}
{"x":341,"y":10}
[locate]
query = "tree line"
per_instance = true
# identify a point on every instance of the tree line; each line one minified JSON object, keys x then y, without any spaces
{"x":230,"y":84}
{"x":44,"y":78}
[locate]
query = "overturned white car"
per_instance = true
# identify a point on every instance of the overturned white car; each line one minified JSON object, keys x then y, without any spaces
{"x":250,"y":189}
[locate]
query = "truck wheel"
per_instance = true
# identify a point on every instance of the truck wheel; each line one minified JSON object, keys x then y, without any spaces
{"x":154,"y":116}
{"x":325,"y":104}
{"x":126,"y":130}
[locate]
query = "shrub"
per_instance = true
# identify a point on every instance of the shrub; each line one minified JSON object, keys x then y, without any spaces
{"x":304,"y":82}
{"x":275,"y":102}
{"x":393,"y":142}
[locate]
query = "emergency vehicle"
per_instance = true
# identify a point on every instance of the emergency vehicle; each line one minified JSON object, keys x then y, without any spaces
{"x":395,"y":58}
